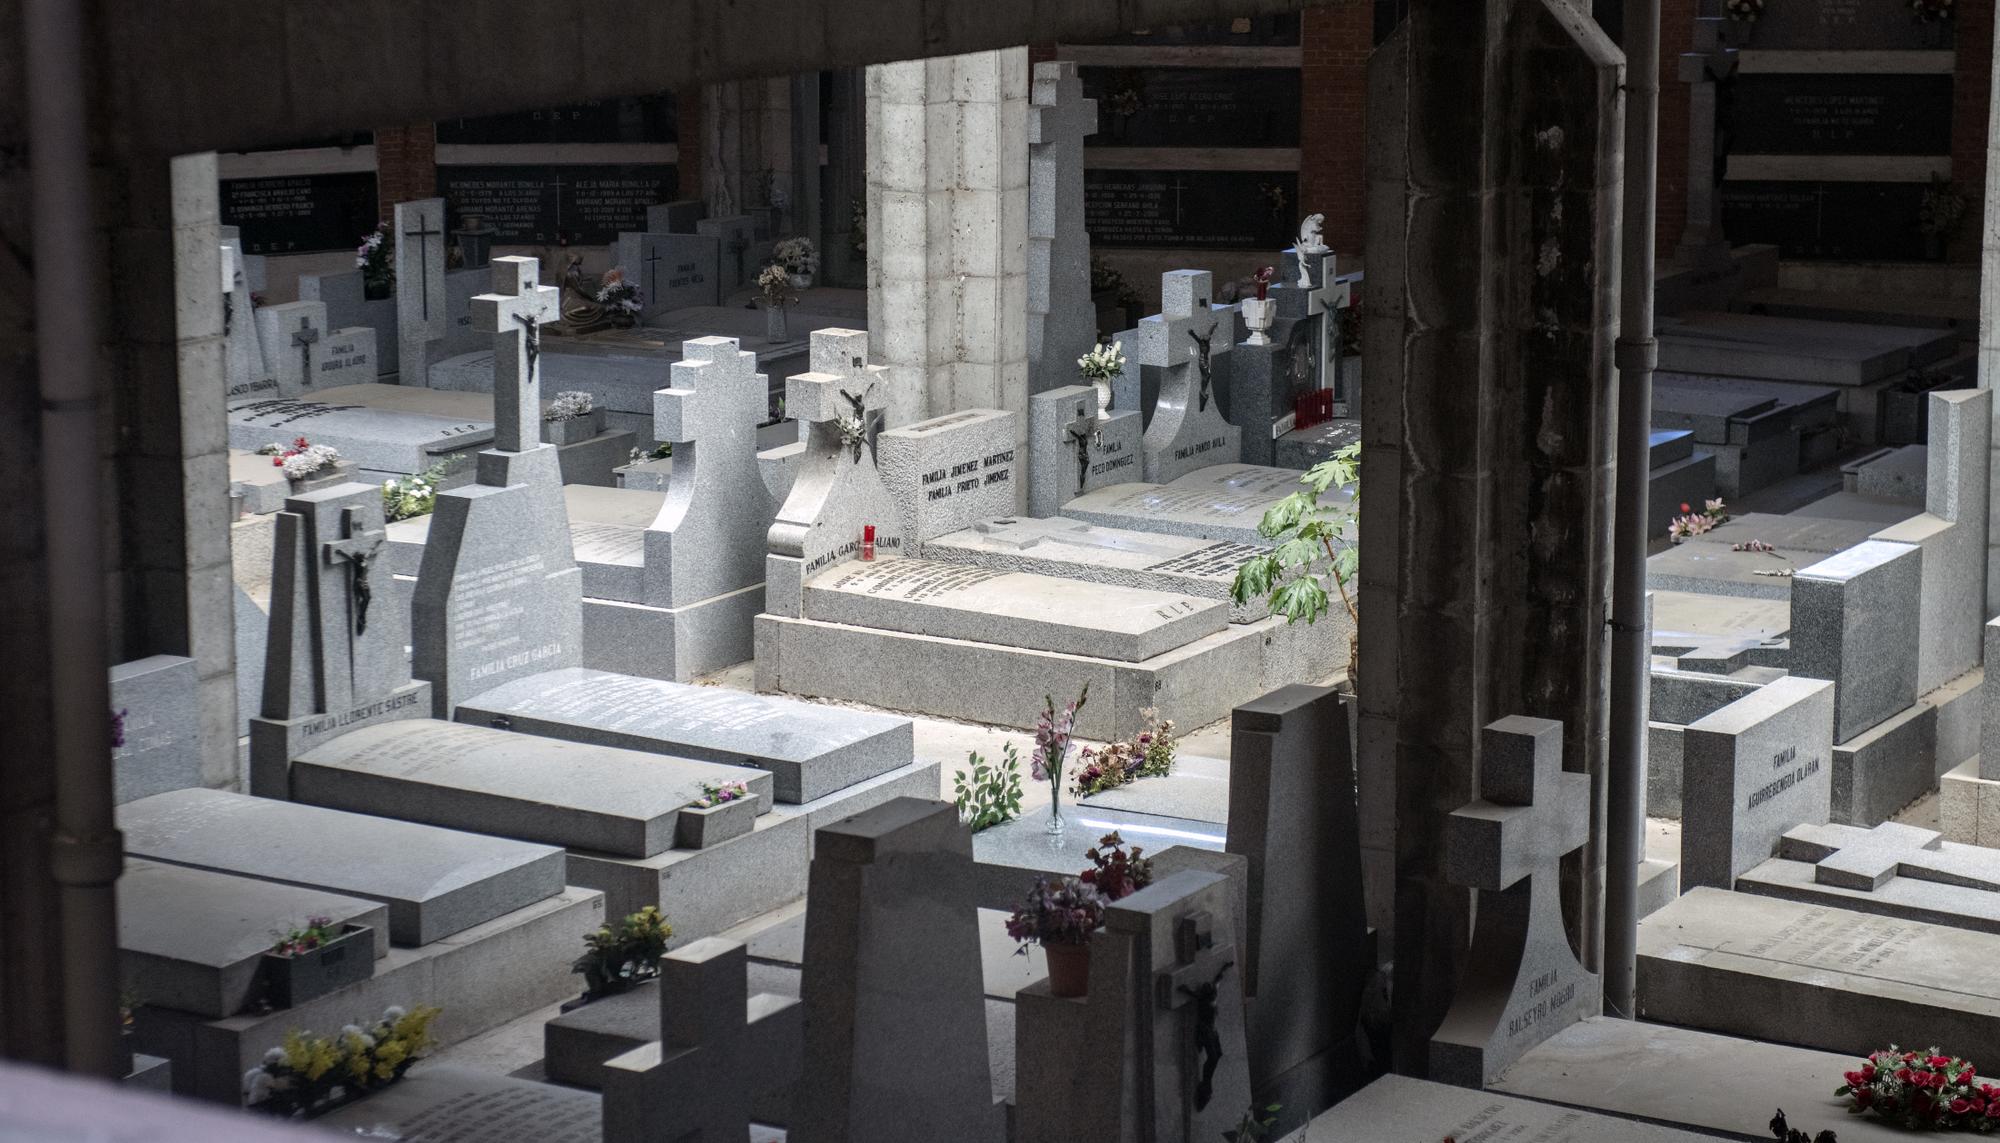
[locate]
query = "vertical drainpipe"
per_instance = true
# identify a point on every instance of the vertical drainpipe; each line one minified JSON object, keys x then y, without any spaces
{"x":87,"y":848}
{"x":1637,"y":352}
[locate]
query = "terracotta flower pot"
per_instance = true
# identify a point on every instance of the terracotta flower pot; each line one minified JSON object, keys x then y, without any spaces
{"x":1069,"y":969}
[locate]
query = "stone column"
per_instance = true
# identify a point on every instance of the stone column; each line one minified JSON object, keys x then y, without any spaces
{"x":947,"y":226}
{"x":1494,"y":140}
{"x":1989,"y":331}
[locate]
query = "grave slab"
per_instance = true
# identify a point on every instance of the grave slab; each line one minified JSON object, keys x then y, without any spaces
{"x":1894,"y":870}
{"x":1397,"y":1107}
{"x":377,"y":440}
{"x":1717,"y":569}
{"x":161,"y":724}
{"x":1197,"y":790}
{"x":438,"y":1103}
{"x":572,"y":794}
{"x":1796,"y":349}
{"x":436,"y":882}
{"x":1072,"y":549}
{"x":1814,"y":975}
{"x":1221,"y":502}
{"x":1843,"y":505}
{"x":1680,"y":616}
{"x":1854,"y":617}
{"x":1880,"y":771}
{"x":607,"y":530}
{"x":194,"y":941}
{"x":1751,"y":771}
{"x":1014,"y":609}
{"x":810,"y":750}
{"x":46,"y":1104}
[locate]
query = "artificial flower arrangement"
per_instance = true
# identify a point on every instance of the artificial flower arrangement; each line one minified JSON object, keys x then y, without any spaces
{"x":1149,"y":754}
{"x":776,"y":284}
{"x":1060,"y":913}
{"x":405,"y":497}
{"x":1053,"y":731}
{"x":302,"y":459}
{"x":372,"y":259}
{"x":1745,"y":10}
{"x":299,"y":941}
{"x":658,"y":452}
{"x":1926,"y":1091}
{"x":311,"y":1074}
{"x":615,"y":957}
{"x":568,"y":405}
{"x":1103,"y":362}
{"x":717,"y":793}
{"x":1116,"y":872}
{"x":1691,"y":523}
{"x":797,"y":256}
{"x":617,"y":295}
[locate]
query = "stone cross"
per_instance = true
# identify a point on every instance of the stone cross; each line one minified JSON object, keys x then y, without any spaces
{"x":718,"y":1048}
{"x":1183,"y":340}
{"x":420,"y":282}
{"x":1849,"y":857}
{"x":1702,"y":69}
{"x":652,"y":261}
{"x":708,"y":537}
{"x":513,"y":313}
{"x":1522,"y":983}
{"x":1062,"y":323}
{"x":1325,"y":297}
{"x":358,"y":546}
{"x":425,"y":231}
{"x":304,"y":337}
{"x":1199,"y":965}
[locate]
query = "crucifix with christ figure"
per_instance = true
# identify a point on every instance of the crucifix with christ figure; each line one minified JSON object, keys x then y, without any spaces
{"x":357,"y":547}
{"x":514,"y":313}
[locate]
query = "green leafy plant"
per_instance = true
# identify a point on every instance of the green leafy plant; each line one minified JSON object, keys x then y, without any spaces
{"x":616,"y":956}
{"x":1293,"y":577}
{"x":989,"y":793}
{"x":1255,"y":1125}
{"x":313,"y":1073}
{"x":414,"y":495}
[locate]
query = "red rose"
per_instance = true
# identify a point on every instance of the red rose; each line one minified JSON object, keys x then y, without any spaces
{"x":1940,"y":1061}
{"x":1903,"y":1074}
{"x":1960,"y":1107}
{"x":277,"y":462}
{"x":1685,"y":509}
{"x":1966,"y":1076}
{"x":1863,"y":1098}
{"x":1853,"y":1078}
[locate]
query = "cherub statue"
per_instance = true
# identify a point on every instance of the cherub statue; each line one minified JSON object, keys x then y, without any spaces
{"x":1309,"y":241}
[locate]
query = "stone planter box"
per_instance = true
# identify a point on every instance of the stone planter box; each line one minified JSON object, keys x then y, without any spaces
{"x":702,"y":826}
{"x":575,"y":430}
{"x":349,"y":958}
{"x":340,"y":473}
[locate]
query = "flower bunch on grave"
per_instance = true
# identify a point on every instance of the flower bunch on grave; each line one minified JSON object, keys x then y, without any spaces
{"x":1931,"y":9}
{"x":568,"y":405}
{"x":1057,"y":911}
{"x":1053,"y":732}
{"x":1691,"y":523}
{"x":302,"y":459}
{"x":406,"y":497}
{"x":1116,"y":872}
{"x":1262,"y":279}
{"x":989,"y":793}
{"x":316,"y":932}
{"x":716,"y":793}
{"x":311,"y":1074}
{"x":657,"y":452}
{"x":615,"y":957}
{"x":1784,"y":1132}
{"x":797,"y":256}
{"x":372,"y":258}
{"x":1747,"y":10}
{"x":1255,"y":1125}
{"x":617,"y":295}
{"x":1104,"y":362}
{"x":1289,"y":577}
{"x":1149,"y":754}
{"x":776,"y":284}
{"x":1925,"y":1090}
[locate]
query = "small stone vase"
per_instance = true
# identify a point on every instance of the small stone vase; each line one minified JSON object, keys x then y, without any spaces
{"x":1258,"y":313}
{"x":774,"y":322}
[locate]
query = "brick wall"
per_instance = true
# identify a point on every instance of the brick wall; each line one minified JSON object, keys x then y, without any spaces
{"x":1337,"y":38}
{"x":405,"y":165}
{"x":1970,"y":95}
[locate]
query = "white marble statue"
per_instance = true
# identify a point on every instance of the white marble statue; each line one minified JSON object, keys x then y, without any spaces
{"x":1309,"y":242}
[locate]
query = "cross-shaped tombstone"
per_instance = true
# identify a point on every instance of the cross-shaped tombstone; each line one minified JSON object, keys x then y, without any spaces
{"x":1062,"y":323}
{"x":1522,"y":983}
{"x":420,"y":282}
{"x":652,"y":262}
{"x":1195,"y":983}
{"x":513,"y":313}
{"x":1849,"y":857}
{"x":304,"y":337}
{"x":358,"y":546}
{"x":708,"y":538}
{"x":1183,"y":340}
{"x":719,"y":1048}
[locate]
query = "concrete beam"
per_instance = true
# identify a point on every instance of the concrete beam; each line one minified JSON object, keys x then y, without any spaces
{"x":296,"y":71}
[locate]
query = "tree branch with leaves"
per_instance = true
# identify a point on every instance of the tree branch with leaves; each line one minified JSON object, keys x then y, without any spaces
{"x":1312,"y":553}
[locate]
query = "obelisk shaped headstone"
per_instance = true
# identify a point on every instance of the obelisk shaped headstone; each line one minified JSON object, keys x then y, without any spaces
{"x":420,"y":281}
{"x":499,"y":595}
{"x":248,"y":374}
{"x":1062,"y":323}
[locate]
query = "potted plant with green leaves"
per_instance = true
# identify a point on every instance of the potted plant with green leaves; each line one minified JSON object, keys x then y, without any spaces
{"x":316,"y":958}
{"x":620,"y":954}
{"x":1059,"y":914}
{"x":800,"y":260}
{"x":1314,"y":550}
{"x":725,"y":810}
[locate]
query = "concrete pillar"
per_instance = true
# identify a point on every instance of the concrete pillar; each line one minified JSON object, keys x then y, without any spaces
{"x":804,"y":215}
{"x":846,"y":114}
{"x":1494,"y":139}
{"x":1989,"y":330}
{"x":947,"y":226}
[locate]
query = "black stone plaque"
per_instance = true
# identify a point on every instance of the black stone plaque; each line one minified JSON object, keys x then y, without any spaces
{"x":1877,"y":25}
{"x":299,"y":214}
{"x":1193,"y":106}
{"x":1216,"y":210}
{"x":641,"y":119}
{"x":1276,"y":31}
{"x":577,"y":205}
{"x":1854,"y":114}
{"x":1842,"y":221}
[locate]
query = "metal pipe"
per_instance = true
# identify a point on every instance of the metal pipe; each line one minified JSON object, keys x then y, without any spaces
{"x":86,"y":854}
{"x":1625,"y":785}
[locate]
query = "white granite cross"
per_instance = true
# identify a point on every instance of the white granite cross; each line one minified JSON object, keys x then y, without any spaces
{"x":708,"y":536}
{"x":1185,"y":336}
{"x":1530,"y":813}
{"x":513,"y":313}
{"x":841,"y":387}
{"x":718,"y":1047}
{"x":1849,"y":857}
